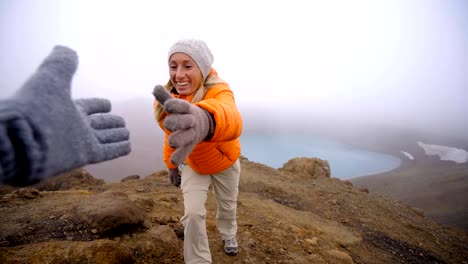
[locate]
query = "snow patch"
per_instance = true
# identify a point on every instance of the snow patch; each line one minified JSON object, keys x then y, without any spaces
{"x":445,"y":153}
{"x":409,"y":156}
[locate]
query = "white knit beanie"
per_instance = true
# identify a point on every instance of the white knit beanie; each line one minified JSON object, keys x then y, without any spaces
{"x":198,"y":50}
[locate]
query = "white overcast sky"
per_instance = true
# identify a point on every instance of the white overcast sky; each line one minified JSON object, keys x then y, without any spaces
{"x":384,"y":58}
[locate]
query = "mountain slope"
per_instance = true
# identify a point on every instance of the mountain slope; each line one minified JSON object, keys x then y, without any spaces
{"x":296,"y":214}
{"x":438,"y":188}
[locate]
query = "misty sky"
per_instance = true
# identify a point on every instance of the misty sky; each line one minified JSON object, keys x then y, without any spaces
{"x":401,"y":61}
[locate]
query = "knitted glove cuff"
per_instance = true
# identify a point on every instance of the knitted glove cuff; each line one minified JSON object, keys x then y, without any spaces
{"x":23,"y":147}
{"x":211,"y":123}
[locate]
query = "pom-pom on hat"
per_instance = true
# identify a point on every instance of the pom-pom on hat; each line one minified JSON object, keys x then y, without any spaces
{"x":198,"y":50}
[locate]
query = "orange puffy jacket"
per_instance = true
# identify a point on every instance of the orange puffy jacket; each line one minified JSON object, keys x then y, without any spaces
{"x":223,"y":149}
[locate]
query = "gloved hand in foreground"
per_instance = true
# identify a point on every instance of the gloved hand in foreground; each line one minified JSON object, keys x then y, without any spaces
{"x":188,"y":123}
{"x":174,"y":176}
{"x":44,"y":133}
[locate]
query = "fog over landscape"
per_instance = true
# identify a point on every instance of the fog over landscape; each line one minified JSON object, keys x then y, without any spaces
{"x":401,"y":64}
{"x":383,"y":82}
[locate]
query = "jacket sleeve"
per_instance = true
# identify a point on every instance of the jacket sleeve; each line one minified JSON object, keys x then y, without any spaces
{"x":220,"y":103}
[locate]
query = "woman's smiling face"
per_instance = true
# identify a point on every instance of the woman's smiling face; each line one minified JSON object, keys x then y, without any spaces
{"x":185,"y":75}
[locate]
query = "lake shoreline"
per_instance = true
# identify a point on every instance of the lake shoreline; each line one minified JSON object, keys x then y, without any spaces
{"x":405,"y":165}
{"x":346,"y":160}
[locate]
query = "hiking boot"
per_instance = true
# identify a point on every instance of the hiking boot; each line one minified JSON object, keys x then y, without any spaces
{"x":231,"y":247}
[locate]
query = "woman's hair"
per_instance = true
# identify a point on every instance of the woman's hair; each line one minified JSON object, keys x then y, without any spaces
{"x":210,"y":81}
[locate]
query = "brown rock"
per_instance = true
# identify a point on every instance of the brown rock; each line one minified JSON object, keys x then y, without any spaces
{"x":74,"y":179}
{"x":112,"y":213}
{"x":314,"y":167}
{"x":130,"y":178}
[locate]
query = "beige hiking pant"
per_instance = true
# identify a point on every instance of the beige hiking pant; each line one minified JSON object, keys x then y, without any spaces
{"x":195,"y":191}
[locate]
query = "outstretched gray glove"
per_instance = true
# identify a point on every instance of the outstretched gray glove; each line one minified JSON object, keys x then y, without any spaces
{"x":44,"y":133}
{"x":188,"y":123}
{"x":174,"y":176}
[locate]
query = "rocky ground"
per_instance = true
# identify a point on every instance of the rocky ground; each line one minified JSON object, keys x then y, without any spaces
{"x":296,"y":214}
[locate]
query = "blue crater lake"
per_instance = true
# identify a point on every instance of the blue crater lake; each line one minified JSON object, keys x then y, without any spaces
{"x":345,"y":161}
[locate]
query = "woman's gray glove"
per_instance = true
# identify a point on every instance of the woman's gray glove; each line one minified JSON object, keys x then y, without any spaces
{"x":174,"y":176}
{"x":44,"y":133}
{"x":188,"y":123}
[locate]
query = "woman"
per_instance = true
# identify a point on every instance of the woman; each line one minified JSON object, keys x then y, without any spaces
{"x":202,"y":125}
